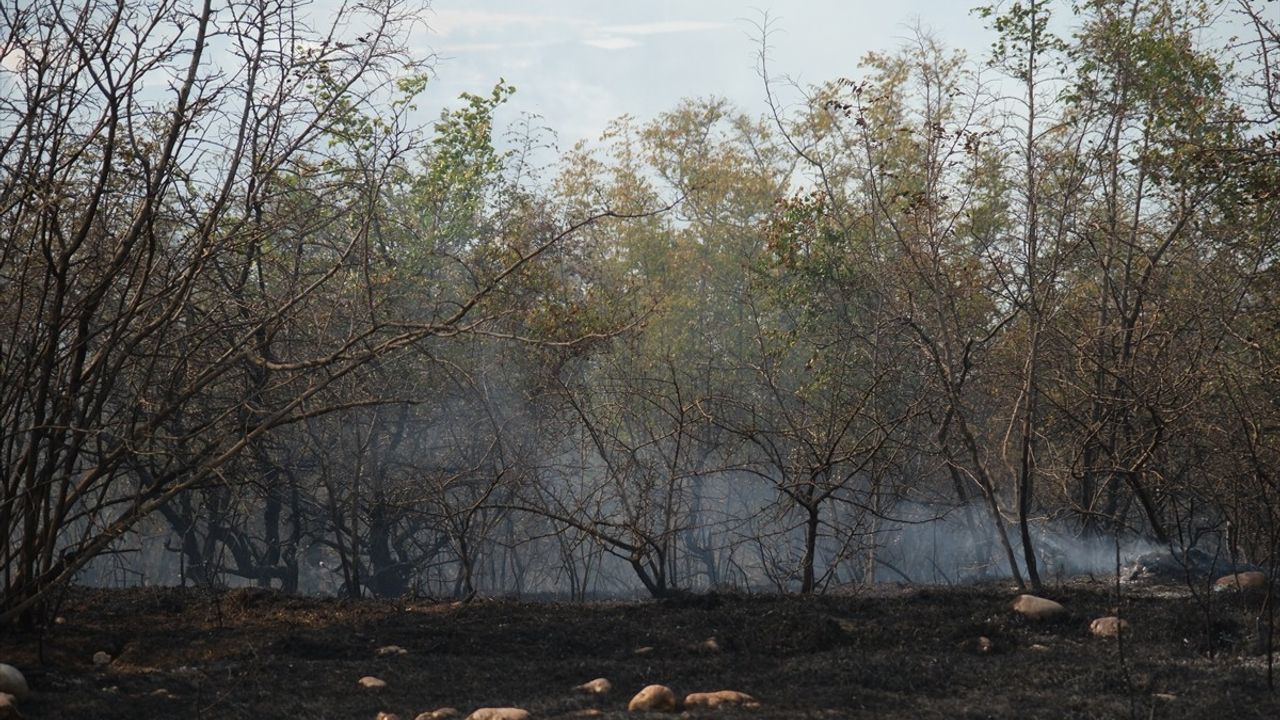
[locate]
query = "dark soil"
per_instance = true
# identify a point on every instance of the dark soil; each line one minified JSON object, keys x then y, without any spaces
{"x":914,"y":653}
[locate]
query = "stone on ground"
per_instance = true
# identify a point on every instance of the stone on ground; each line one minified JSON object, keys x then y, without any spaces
{"x":370,"y":682}
{"x":654,"y":698}
{"x":387,"y":716}
{"x":8,"y":707}
{"x":981,"y":645}
{"x":588,"y":713}
{"x":720,"y":698}
{"x":1037,"y":608}
{"x":504,"y":713}
{"x":386,"y":650}
{"x":1251,"y":580}
{"x":443,"y":713}
{"x":710,"y":645}
{"x":12,"y":682}
{"x":599,"y":686}
{"x":1108,"y":627}
{"x":101,"y":658}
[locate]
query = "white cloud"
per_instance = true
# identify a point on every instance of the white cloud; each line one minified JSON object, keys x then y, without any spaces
{"x":451,"y":48}
{"x":611,"y":42}
{"x":663,"y":28}
{"x":449,"y":22}
{"x":492,"y":31}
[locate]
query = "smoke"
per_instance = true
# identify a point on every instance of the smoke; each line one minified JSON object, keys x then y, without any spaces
{"x":960,"y":546}
{"x":924,"y":544}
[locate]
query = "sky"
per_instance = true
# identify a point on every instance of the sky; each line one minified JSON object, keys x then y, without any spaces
{"x":581,"y":63}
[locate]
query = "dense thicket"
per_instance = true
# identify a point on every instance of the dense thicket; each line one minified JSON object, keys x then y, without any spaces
{"x":930,"y":320}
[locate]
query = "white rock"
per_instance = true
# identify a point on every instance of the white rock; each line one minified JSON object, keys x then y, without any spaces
{"x":1037,"y":608}
{"x":443,"y":713}
{"x":654,"y":698}
{"x":599,"y":686}
{"x":502,"y":713}
{"x":8,"y":707}
{"x":370,"y":682}
{"x":720,"y":698}
{"x":1251,"y":580}
{"x":12,"y":682}
{"x":1108,"y":627}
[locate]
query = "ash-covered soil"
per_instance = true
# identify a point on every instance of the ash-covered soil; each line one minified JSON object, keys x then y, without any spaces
{"x":915,"y":653}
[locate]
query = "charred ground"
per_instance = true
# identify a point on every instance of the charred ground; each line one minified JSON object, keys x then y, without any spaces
{"x":910,"y":653}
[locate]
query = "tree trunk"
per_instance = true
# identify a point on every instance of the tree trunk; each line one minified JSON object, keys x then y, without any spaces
{"x":808,"y":582}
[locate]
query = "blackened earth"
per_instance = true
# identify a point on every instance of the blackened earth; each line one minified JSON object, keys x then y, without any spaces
{"x":898,"y":653}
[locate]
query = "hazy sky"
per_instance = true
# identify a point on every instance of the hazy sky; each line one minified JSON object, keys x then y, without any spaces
{"x":580,"y":63}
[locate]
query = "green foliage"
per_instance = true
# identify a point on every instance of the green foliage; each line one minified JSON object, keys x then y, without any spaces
{"x":463,"y":162}
{"x":1020,"y":28}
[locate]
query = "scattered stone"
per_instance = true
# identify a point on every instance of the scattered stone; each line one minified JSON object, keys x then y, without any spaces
{"x":386,"y":650}
{"x":1040,"y":648}
{"x":643,"y":650}
{"x":599,"y":686}
{"x":101,"y":658}
{"x":720,"y":698}
{"x":588,"y":713}
{"x":503,"y":713}
{"x":654,"y":698}
{"x":370,"y":682}
{"x":1037,"y":608}
{"x":161,"y":693}
{"x":12,"y":682}
{"x":387,"y":716}
{"x":8,"y":707}
{"x":59,"y":620}
{"x":1250,"y":580}
{"x":443,"y":713}
{"x":981,"y":645}
{"x":1108,"y":627}
{"x":1167,"y":697}
{"x":844,"y":624}
{"x":710,"y":645}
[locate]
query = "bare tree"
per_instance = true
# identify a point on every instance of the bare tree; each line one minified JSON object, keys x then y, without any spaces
{"x":191,"y":205}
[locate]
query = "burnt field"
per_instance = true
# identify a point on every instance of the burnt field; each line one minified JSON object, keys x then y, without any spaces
{"x":909,"y":653}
